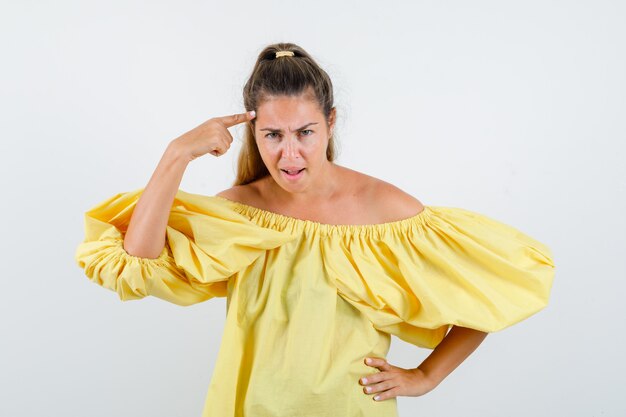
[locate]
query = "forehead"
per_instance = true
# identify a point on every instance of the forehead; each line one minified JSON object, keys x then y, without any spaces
{"x":287,"y":110}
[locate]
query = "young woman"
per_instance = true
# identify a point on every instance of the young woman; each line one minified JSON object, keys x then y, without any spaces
{"x":320,"y":264}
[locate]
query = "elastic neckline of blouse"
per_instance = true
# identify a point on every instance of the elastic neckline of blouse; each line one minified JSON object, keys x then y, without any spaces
{"x":327,"y":228}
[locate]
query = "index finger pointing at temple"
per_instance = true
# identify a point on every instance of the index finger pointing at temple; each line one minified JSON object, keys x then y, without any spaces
{"x":235,"y":119}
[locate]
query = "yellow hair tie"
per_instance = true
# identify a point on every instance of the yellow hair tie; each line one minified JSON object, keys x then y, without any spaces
{"x":284,"y":53}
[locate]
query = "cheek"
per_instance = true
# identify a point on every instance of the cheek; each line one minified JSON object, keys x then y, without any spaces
{"x":272,"y":151}
{"x":269,"y":154}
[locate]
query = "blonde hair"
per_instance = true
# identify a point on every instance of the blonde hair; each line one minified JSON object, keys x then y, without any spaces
{"x":286,"y":75}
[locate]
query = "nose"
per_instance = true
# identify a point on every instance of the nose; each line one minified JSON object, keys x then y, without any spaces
{"x":291,"y":148}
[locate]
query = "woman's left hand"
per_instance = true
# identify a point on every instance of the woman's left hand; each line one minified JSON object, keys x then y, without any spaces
{"x":394,"y":381}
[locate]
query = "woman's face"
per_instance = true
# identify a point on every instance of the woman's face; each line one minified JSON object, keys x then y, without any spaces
{"x":292,"y":135}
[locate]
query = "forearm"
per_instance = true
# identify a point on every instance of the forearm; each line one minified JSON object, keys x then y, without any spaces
{"x":145,"y":236}
{"x":458,"y":344}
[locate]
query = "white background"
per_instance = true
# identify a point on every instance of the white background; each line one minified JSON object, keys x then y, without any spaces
{"x":515,"y":110}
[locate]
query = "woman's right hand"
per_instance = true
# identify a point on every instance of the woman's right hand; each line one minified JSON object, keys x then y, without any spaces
{"x":211,"y":136}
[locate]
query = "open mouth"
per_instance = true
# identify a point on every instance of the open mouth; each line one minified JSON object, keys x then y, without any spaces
{"x":293,"y":174}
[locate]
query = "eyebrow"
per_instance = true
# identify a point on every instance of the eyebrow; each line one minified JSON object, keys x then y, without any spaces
{"x":271,"y":129}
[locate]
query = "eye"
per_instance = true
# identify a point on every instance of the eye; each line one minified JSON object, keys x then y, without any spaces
{"x":308,"y":130}
{"x":272,"y":133}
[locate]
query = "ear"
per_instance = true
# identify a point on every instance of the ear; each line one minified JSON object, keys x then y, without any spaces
{"x":331,"y":119}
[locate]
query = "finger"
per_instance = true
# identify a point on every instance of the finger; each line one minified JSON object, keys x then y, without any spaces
{"x":235,"y":119}
{"x":370,"y":379}
{"x":391,"y":393}
{"x":381,"y":386}
{"x":376,"y":377}
{"x":379,"y":363}
{"x":222,"y":147}
{"x":218,"y":151}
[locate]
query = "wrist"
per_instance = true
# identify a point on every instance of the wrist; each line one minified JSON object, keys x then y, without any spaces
{"x":176,"y":152}
{"x":433,"y":379}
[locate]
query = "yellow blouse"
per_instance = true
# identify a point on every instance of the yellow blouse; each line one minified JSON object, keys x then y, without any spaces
{"x":307,"y":301}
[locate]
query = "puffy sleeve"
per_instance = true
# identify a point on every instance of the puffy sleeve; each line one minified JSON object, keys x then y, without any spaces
{"x":206,"y":243}
{"x":445,"y":266}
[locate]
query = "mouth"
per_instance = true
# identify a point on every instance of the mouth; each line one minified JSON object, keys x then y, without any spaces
{"x":293,"y":174}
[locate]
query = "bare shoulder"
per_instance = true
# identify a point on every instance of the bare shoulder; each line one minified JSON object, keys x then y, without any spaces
{"x":246,"y":194}
{"x":391,"y":202}
{"x":230,"y":193}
